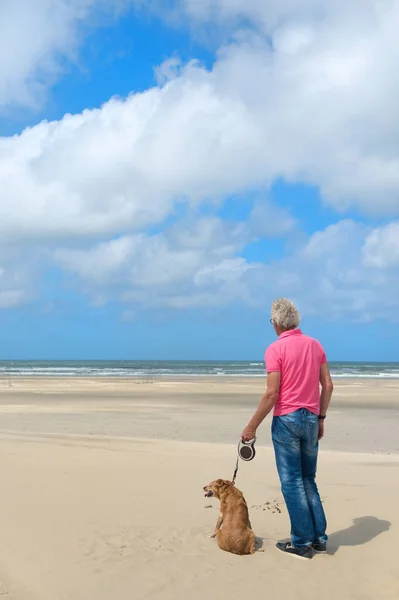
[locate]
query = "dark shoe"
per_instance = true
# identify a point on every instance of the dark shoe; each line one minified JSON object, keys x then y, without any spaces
{"x":288,"y":548}
{"x":320,"y":548}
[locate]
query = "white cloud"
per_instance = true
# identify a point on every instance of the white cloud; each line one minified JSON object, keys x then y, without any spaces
{"x":381,"y":248}
{"x":37,"y":37}
{"x":34,"y":35}
{"x":270,"y":220}
{"x":321,"y":82}
{"x":263,"y":14}
{"x":323,"y":113}
{"x":125,"y":165}
{"x":330,"y":278}
{"x":317,"y":105}
{"x":19,"y":271}
{"x":183,"y":266}
{"x":268,"y":15}
{"x":327,"y":275}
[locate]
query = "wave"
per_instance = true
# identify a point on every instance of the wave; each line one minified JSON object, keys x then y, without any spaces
{"x":165,"y":369}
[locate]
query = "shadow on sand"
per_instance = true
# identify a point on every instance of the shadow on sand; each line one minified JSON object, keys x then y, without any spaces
{"x":259,"y":544}
{"x":363,"y":530}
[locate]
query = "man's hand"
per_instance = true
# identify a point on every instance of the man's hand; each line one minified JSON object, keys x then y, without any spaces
{"x":321,"y":429}
{"x":248,"y":434}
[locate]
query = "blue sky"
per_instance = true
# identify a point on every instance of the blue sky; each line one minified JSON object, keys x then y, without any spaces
{"x":165,"y":174}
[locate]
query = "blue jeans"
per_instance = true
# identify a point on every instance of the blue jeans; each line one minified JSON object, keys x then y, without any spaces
{"x":295,"y":441}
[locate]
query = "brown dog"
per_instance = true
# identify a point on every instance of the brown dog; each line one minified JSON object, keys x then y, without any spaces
{"x":236,"y":535}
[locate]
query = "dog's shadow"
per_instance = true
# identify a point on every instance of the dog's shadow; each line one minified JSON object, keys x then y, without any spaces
{"x":259,"y":543}
{"x":362,"y":531}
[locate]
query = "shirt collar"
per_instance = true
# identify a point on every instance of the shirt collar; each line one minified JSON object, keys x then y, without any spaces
{"x":289,"y":333}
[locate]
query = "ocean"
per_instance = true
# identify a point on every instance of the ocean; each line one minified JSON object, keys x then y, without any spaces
{"x":154,"y":369}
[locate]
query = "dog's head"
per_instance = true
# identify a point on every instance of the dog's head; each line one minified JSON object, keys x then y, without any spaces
{"x":217,"y":488}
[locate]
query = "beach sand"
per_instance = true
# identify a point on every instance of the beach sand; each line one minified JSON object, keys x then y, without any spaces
{"x":101,"y":492}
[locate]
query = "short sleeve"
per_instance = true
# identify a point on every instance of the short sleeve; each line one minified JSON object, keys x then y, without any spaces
{"x":323,"y":357}
{"x":272,"y":360}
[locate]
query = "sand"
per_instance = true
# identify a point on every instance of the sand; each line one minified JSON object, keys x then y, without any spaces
{"x":101,"y":492}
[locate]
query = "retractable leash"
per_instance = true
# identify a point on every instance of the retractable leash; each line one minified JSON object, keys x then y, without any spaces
{"x":246,"y":451}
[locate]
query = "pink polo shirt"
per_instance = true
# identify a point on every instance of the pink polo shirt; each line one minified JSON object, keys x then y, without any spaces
{"x":298,"y":358}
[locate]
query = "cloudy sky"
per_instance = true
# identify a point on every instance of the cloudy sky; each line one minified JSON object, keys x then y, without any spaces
{"x":165,"y":172}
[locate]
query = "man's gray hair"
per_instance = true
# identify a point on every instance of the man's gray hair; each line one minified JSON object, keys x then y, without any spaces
{"x":285,"y":314}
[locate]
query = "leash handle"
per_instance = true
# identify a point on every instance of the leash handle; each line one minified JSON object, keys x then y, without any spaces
{"x":241,"y":443}
{"x":249,"y":442}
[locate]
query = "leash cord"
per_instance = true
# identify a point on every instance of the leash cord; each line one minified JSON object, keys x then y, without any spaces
{"x":235,"y":473}
{"x":236,"y":469}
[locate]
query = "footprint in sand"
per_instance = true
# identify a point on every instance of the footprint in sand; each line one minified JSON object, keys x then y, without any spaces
{"x":273,"y":507}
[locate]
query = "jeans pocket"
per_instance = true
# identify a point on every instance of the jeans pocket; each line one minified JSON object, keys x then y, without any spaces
{"x":312,"y":432}
{"x":281,"y":431}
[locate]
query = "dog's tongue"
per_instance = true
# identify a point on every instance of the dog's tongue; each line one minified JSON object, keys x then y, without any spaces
{"x":208,"y":494}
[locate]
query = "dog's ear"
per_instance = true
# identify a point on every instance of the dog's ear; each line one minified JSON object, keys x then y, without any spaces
{"x":222,"y":483}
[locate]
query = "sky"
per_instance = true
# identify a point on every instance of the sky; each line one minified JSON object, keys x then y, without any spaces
{"x":168,"y":168}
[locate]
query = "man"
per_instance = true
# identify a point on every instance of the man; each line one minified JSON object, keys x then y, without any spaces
{"x":296,"y":364}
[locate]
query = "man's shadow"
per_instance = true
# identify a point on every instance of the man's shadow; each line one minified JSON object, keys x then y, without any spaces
{"x":363,"y":530}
